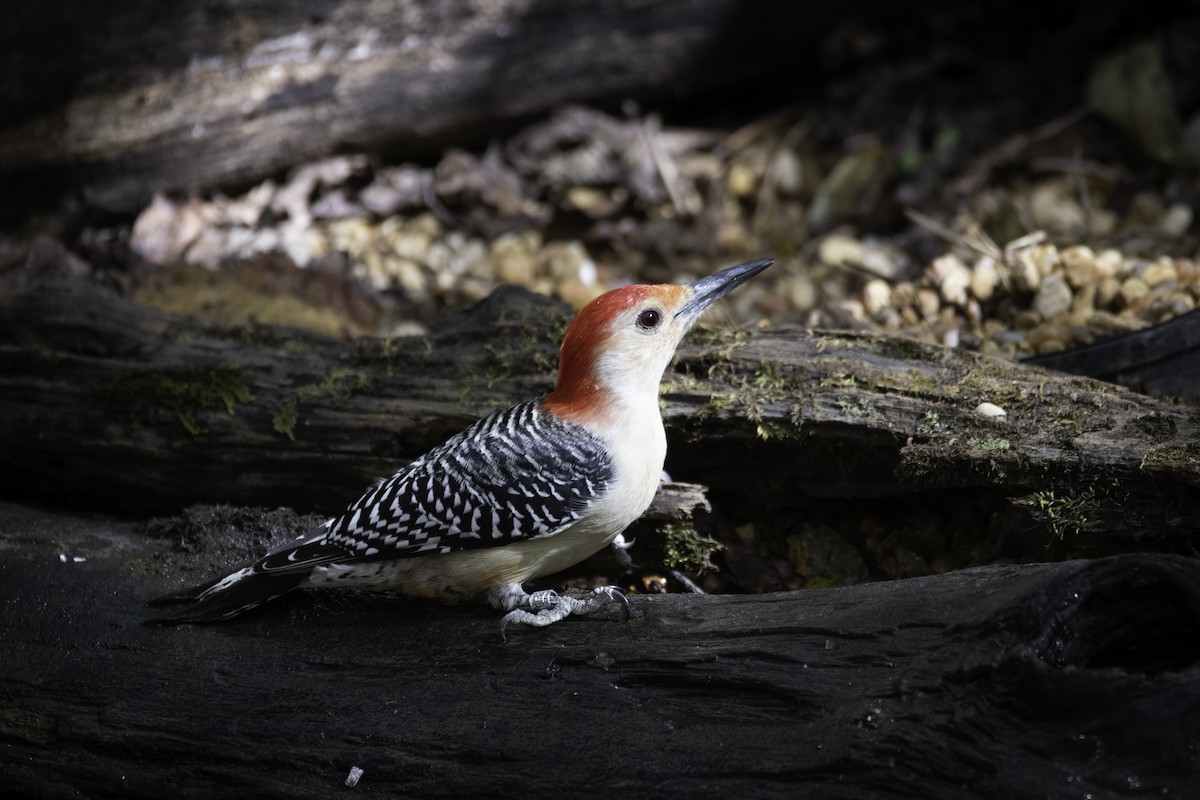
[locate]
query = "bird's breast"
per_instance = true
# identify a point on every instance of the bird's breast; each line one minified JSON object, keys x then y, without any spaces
{"x":639,"y":448}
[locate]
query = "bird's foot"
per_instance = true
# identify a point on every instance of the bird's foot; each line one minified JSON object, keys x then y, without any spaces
{"x":543,"y":608}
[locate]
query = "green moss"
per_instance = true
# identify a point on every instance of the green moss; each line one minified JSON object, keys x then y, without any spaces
{"x":1066,"y":514}
{"x":767,"y":378}
{"x":254,"y":333}
{"x":767,"y":429}
{"x":1068,"y":419}
{"x":1154,"y":425}
{"x":718,"y":337}
{"x":768,"y":386}
{"x":747,"y":396}
{"x":392,"y":351}
{"x":337,"y":385}
{"x":185,"y":393}
{"x":717,"y":403}
{"x":558,"y":328}
{"x":910,"y":382}
{"x":989,"y":445}
{"x":718,"y":345}
{"x":840,"y":382}
{"x":829,"y":342}
{"x":853,"y":406}
{"x":1173,"y":455}
{"x":680,"y":382}
{"x":285,"y":421}
{"x":902,"y":349}
{"x":686,"y":549}
{"x":512,"y":351}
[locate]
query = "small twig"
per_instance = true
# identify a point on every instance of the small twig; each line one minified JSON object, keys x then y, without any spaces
{"x":977,"y":240}
{"x":667,"y":170}
{"x":1024,"y":243}
{"x":973,"y":239}
{"x":932,"y":225}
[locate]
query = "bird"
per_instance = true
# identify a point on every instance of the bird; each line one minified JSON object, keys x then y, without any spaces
{"x":523,"y":493}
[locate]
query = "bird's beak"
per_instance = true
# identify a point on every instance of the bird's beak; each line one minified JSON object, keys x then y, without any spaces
{"x":707,"y":291}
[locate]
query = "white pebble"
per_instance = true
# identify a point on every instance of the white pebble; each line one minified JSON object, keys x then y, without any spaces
{"x":877,"y":294}
{"x":984,"y":278}
{"x":837,"y":249}
{"x":990,"y":410}
{"x":355,"y":774}
{"x":1079,"y":265}
{"x":1159,"y":272}
{"x":953,"y":278}
{"x":1026,"y":275}
{"x":1053,"y":298}
{"x":1108,"y":263}
{"x":881,"y":260}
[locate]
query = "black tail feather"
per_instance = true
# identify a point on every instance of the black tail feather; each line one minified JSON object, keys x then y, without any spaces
{"x":211,"y":602}
{"x":189,"y":595}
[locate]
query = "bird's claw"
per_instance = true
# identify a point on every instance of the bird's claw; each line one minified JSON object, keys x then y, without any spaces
{"x":546,"y":607}
{"x":611,"y":594}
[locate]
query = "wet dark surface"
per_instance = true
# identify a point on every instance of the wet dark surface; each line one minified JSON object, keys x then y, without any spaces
{"x":994,"y":682}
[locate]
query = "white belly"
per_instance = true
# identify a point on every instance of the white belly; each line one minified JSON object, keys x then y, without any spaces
{"x":467,"y":574}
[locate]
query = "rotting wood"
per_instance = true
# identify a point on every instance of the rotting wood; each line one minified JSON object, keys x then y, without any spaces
{"x":150,"y":413}
{"x":1048,"y":680}
{"x":117,"y":101}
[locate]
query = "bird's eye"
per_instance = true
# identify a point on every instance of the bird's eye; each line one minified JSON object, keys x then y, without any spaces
{"x":649,"y":319}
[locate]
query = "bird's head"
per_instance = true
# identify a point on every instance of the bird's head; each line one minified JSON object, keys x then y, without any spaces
{"x":618,"y":346}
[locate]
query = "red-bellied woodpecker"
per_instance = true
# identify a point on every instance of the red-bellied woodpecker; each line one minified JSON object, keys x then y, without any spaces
{"x":520,"y":494}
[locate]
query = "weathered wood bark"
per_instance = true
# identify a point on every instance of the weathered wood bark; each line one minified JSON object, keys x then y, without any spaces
{"x":1163,"y":360}
{"x":1056,"y":681}
{"x":117,"y":100}
{"x":148,"y":413}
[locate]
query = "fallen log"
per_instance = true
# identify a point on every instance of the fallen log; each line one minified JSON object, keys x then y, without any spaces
{"x":149,"y":413}
{"x":1162,"y":360}
{"x":1053,"y":680}
{"x":117,"y":101}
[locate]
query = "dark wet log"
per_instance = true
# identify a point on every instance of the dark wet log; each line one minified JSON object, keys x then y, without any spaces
{"x":107,"y":405}
{"x":1056,"y":680}
{"x":118,"y":100}
{"x":1162,"y":360}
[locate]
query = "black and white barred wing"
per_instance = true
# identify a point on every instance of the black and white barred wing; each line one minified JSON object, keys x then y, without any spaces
{"x":515,"y":475}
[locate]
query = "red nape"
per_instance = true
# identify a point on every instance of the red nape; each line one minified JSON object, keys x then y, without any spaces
{"x":578,"y":393}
